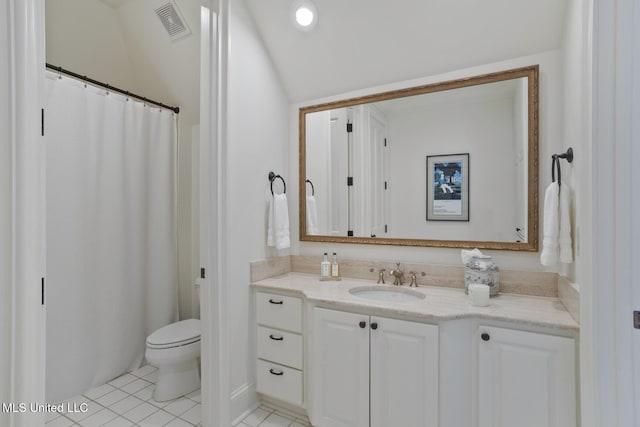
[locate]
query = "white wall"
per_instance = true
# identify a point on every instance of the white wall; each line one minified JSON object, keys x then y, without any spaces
{"x":484,"y":129}
{"x":550,"y":135}
{"x":577,"y":134}
{"x":257,"y":143}
{"x":577,"y":90}
{"x":6,"y":182}
{"x":84,"y":36}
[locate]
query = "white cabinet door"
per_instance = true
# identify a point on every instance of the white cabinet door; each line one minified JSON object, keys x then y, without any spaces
{"x":525,"y":379}
{"x":404,"y":373}
{"x":339,"y":369}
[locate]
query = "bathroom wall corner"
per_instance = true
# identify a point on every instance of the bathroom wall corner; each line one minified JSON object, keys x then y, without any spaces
{"x":569,"y":295}
{"x":270,"y":267}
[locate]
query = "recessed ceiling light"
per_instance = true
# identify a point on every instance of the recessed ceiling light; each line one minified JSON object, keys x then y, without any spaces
{"x":304,"y":15}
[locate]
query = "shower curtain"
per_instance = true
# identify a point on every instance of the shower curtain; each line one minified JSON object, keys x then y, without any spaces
{"x":111,"y":233}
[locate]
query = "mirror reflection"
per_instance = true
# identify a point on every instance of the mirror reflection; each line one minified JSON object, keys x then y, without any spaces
{"x":451,"y":164}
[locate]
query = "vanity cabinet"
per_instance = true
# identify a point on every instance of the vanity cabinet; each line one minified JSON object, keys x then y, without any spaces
{"x":279,"y":347}
{"x":372,"y":371}
{"x":525,"y":379}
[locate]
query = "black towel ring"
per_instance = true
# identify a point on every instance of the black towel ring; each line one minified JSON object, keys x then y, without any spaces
{"x":555,"y":164}
{"x":313,"y":190}
{"x":272,"y":177}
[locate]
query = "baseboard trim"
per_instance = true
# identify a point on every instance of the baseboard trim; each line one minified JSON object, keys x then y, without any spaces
{"x":244,"y":400}
{"x":285,"y":408}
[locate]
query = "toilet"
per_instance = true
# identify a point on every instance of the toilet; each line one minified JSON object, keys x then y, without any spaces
{"x":174,"y":349}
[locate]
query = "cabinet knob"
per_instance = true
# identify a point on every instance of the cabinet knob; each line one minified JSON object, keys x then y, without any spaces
{"x":276,"y":372}
{"x":276,"y":302}
{"x":374,"y":326}
{"x":485,"y":337}
{"x":276,"y":338}
{"x":362,"y":324}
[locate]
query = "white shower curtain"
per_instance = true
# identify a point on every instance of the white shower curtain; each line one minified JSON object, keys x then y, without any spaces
{"x":111,"y":233}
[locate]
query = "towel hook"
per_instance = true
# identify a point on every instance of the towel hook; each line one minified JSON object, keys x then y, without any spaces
{"x":313,"y":190}
{"x":568,"y":155}
{"x":555,"y":164}
{"x":272,"y":177}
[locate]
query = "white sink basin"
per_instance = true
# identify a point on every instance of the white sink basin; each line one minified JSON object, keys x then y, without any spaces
{"x":386,"y":293}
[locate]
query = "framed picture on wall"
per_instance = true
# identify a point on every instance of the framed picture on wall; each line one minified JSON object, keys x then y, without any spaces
{"x":448,"y":187}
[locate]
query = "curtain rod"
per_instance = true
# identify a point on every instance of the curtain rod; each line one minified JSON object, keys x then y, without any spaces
{"x":111,"y":88}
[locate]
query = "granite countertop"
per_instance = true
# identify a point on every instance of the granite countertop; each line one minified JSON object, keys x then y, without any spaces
{"x":439,"y":303}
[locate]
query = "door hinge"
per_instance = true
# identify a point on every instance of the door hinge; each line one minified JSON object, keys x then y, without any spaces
{"x":349,"y":127}
{"x":350,"y":233}
{"x":202,"y":273}
{"x":385,"y":142}
{"x":42,"y":121}
{"x":385,"y":185}
{"x":385,"y":228}
{"x":636,"y":319}
{"x":349,"y":181}
{"x":42,"y":291}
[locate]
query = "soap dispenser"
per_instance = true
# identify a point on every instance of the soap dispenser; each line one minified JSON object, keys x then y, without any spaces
{"x":325,"y":268}
{"x":335,"y":268}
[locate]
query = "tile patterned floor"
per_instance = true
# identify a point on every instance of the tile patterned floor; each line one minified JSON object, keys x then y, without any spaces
{"x":264,"y":416}
{"x":126,"y":402}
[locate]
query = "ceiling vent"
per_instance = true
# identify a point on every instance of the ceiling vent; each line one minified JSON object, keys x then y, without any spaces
{"x":173,"y":21}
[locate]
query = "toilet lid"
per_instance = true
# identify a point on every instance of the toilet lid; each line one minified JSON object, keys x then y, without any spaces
{"x":179,"y":333}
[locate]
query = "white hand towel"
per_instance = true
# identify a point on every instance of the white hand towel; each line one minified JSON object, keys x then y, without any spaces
{"x":312,"y":216}
{"x":549,"y":255}
{"x":566,"y":251}
{"x":278,"y":230}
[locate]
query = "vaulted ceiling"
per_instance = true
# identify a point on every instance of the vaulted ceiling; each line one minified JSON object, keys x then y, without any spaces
{"x":362,"y":43}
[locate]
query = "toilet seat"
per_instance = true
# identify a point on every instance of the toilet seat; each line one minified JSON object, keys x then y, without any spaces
{"x":176,"y":334}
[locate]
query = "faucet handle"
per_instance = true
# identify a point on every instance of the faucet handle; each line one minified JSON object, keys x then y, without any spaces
{"x":414,"y":279}
{"x":380,"y":274}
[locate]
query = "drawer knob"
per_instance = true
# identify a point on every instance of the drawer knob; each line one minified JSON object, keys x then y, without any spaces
{"x":485,"y":337}
{"x":275,"y":338}
{"x":276,"y":372}
{"x":362,"y":324}
{"x":374,"y":326}
{"x":276,"y":302}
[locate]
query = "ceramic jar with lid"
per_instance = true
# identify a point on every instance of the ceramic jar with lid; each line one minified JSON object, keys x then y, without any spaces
{"x":482,"y":270}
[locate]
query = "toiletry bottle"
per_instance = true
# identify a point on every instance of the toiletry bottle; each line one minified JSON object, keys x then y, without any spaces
{"x":335,"y":268}
{"x":325,"y":268}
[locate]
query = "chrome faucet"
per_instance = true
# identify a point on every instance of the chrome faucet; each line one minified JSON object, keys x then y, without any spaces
{"x":398,"y":275}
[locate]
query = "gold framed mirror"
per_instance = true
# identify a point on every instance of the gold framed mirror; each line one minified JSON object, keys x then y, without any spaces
{"x":452,"y":164}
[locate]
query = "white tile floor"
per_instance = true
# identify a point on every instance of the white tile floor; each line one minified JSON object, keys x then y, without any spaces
{"x":125,"y":402}
{"x":264,"y":416}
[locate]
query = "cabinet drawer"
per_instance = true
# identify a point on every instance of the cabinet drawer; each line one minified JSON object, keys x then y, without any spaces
{"x":279,"y":311}
{"x":279,"y":346}
{"x":280,"y":382}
